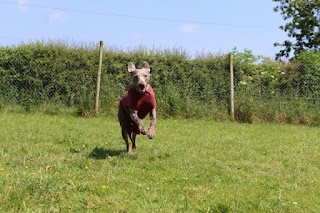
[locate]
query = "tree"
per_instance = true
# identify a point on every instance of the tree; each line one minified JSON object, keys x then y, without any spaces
{"x":303,"y":25}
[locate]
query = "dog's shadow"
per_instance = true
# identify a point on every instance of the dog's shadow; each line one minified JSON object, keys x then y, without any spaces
{"x":101,"y":153}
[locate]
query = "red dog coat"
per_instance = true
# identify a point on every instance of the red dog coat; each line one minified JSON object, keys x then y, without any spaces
{"x":143,"y":103}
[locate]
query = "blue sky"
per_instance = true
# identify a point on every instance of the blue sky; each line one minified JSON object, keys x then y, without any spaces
{"x":197,"y":26}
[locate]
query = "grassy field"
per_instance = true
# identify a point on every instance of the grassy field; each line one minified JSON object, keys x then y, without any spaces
{"x":72,"y":164}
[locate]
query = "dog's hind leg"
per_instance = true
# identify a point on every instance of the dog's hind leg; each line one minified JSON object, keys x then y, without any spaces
{"x":124,"y":131}
{"x":125,"y":137}
{"x":133,"y":140}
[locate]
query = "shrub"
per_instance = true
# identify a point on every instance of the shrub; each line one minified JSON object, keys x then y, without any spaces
{"x":41,"y":74}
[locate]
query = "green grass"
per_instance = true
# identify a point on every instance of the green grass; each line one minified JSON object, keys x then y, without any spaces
{"x":72,"y":164}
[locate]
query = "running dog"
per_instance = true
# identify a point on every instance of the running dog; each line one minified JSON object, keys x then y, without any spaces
{"x":136,"y":104}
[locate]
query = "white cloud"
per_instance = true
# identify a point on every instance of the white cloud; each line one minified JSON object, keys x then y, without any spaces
{"x":188,"y":28}
{"x":57,"y":16}
{"x":22,"y":5}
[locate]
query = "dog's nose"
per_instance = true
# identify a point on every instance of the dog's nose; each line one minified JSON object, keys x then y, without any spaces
{"x":141,"y":86}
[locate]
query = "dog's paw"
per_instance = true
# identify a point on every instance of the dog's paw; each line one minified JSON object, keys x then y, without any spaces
{"x":143,"y":131}
{"x":151,"y":133}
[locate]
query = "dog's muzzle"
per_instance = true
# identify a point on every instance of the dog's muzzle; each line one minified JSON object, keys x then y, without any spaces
{"x":141,"y":86}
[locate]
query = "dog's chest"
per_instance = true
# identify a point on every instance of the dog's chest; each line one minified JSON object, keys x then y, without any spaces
{"x":143,"y":103}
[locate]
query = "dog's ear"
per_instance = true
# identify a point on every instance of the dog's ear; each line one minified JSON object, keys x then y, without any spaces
{"x":131,"y":67}
{"x":146,"y":66}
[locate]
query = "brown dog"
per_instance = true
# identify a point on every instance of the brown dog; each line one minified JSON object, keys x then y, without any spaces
{"x":135,"y":104}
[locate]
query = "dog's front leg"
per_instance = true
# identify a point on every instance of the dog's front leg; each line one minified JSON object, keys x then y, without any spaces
{"x":152,"y":129}
{"x":138,"y":121}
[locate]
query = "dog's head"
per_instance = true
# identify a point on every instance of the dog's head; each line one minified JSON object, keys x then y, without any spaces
{"x":140,"y":77}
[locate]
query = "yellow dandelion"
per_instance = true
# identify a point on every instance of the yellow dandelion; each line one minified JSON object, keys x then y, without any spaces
{"x":104,"y":186}
{"x":7,"y":174}
{"x":26,"y":167}
{"x":86,"y":167}
{"x":1,"y":169}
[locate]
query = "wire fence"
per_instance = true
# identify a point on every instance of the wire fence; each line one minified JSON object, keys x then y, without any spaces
{"x":295,"y":81}
{"x":42,"y":74}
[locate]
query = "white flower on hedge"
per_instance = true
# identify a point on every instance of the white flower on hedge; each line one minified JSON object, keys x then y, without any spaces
{"x":243,"y":83}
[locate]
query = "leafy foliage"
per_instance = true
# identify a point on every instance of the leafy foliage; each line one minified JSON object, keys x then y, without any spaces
{"x":38,"y":75}
{"x":310,"y":72}
{"x":257,"y":73}
{"x":303,"y":25}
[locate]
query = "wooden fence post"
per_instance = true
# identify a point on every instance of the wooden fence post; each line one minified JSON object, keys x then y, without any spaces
{"x":96,"y":106}
{"x":231,"y":87}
